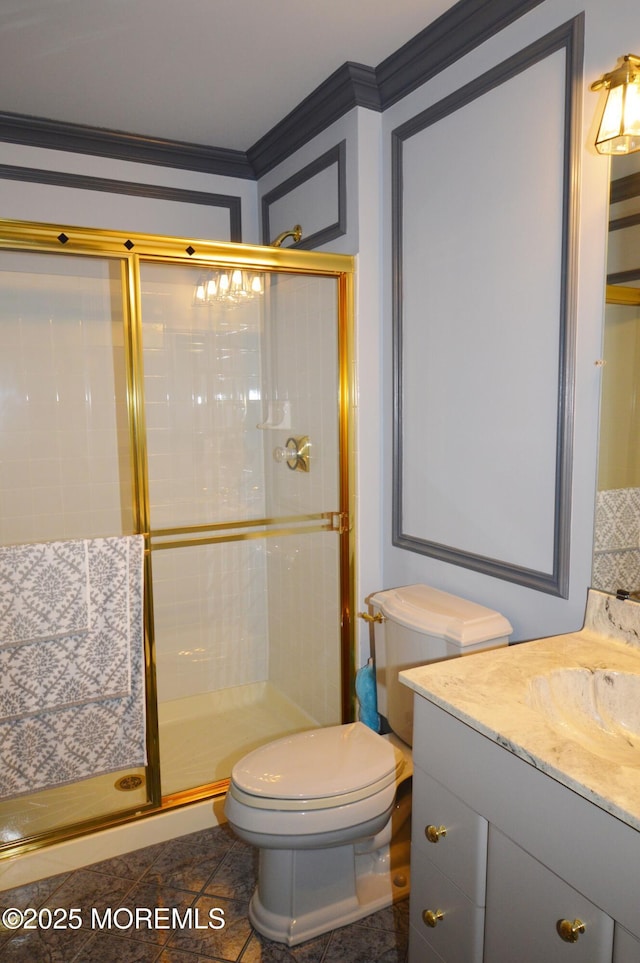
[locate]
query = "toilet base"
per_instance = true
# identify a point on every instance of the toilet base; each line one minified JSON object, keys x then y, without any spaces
{"x":304,"y":893}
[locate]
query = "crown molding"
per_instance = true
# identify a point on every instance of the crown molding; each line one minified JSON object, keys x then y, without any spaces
{"x":457,"y":31}
{"x":97,"y":141}
{"x":352,"y":85}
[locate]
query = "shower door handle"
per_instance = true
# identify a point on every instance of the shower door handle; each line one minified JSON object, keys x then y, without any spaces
{"x":340,"y":522}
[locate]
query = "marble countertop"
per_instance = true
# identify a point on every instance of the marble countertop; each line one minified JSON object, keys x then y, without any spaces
{"x":491,"y":691}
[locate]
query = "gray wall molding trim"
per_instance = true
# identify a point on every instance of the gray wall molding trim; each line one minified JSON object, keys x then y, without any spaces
{"x":456,"y":32}
{"x":621,"y":223}
{"x":352,"y":85}
{"x":336,"y":155}
{"x":570,"y":37}
{"x":81,"y":139}
{"x":624,"y":277}
{"x":133,"y":188}
{"x":624,"y":188}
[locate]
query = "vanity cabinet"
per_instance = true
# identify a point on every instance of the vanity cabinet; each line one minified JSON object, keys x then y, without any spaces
{"x":528,"y":907}
{"x":448,"y":855}
{"x":626,"y":948}
{"x":523,"y":868}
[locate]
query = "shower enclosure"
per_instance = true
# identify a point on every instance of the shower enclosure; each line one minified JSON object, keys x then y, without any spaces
{"x":198,"y":394}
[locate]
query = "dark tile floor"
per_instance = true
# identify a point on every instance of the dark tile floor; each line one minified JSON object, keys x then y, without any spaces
{"x":199,"y":875}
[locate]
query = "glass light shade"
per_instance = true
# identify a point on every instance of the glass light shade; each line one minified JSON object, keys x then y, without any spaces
{"x":619,"y":131}
{"x":232,"y":286}
{"x":620,"y":126}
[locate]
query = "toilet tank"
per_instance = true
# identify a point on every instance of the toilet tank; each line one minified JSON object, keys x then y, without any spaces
{"x":420,"y":625}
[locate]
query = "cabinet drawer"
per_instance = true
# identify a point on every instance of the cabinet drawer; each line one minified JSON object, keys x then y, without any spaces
{"x":457,"y":936}
{"x":420,"y":951}
{"x":461,"y":854}
{"x":626,"y":947}
{"x":526,"y":902}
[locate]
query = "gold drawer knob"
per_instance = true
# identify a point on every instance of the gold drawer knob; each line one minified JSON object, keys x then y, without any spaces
{"x":433,"y":833}
{"x":568,"y":931}
{"x":432,"y":917}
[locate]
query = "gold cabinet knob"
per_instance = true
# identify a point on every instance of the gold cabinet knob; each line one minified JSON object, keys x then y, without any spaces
{"x":568,"y":931}
{"x":433,"y":833}
{"x":432,"y":917}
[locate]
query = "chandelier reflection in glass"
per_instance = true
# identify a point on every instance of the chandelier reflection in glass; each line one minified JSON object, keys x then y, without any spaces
{"x":230,"y":286}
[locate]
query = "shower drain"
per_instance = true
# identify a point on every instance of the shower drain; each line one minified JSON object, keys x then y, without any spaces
{"x":127,"y":783}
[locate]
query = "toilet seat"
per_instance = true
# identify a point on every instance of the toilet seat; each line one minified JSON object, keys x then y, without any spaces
{"x":319,"y":769}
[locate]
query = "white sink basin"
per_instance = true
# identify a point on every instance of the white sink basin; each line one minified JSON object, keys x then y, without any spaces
{"x":598,"y":708}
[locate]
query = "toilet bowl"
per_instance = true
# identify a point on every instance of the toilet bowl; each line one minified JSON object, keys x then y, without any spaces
{"x":329,"y":809}
{"x":319,"y":807}
{"x":315,"y":788}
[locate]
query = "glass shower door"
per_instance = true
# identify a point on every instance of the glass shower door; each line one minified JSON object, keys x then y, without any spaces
{"x":65,"y":475}
{"x":245,"y":503}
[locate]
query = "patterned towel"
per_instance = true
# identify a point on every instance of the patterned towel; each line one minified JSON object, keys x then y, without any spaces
{"x":69,"y":671}
{"x":44,"y":591}
{"x":69,"y":744}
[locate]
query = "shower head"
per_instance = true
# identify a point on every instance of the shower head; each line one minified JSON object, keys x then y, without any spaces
{"x":296,"y":234}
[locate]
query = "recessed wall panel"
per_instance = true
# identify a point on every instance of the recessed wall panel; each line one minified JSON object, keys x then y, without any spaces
{"x":484,"y":320}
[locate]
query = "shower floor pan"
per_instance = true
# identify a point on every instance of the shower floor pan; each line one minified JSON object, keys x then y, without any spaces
{"x":51,"y":809}
{"x":203,"y":736}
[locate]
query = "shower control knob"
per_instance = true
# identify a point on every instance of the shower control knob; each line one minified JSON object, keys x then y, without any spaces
{"x":295,"y":454}
{"x":280,"y":454}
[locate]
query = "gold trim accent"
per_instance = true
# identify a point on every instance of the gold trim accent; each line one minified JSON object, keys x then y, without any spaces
{"x":242,"y":523}
{"x":243,"y":537}
{"x":209,"y":790}
{"x":432,"y":917}
{"x":295,"y":233}
{"x":347,"y":476}
{"x":34,"y":236}
{"x":570,"y":931}
{"x":138,"y":447}
{"x":621,"y":294}
{"x":258,"y":528}
{"x":378,"y":617}
{"x":434,"y":833}
{"x":63,"y":834}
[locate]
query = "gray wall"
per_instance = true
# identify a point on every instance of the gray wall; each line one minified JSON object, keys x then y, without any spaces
{"x":356,"y":216}
{"x":533,"y":611}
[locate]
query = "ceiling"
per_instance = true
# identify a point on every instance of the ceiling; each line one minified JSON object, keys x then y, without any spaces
{"x":219,"y":73}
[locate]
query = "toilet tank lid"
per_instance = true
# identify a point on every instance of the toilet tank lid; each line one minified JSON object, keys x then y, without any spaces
{"x":437,"y":613}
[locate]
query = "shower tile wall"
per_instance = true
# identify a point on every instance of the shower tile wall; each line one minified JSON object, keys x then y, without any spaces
{"x":303,"y":573}
{"x":244,"y":612}
{"x":210,"y":616}
{"x":202,"y":391}
{"x":304,"y":609}
{"x":202,"y":379}
{"x":64,"y":471}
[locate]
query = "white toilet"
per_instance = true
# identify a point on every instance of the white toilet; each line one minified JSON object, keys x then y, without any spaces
{"x":329,"y":808}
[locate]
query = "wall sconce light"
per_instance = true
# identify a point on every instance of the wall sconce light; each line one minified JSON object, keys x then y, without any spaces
{"x":232,"y":286}
{"x":619,"y":131}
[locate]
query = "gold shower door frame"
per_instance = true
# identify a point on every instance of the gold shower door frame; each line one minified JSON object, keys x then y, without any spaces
{"x":132,"y":250}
